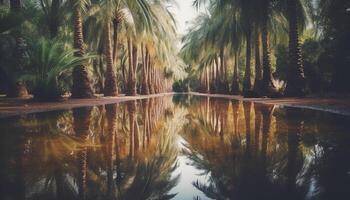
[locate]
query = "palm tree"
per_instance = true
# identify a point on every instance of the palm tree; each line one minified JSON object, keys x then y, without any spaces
{"x":295,"y":77}
{"x":267,"y":83}
{"x":51,"y":65}
{"x":18,"y":88}
{"x":81,"y":79}
{"x":246,"y":10}
{"x":110,"y":86}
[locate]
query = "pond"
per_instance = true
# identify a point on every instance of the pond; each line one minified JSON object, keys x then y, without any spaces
{"x":176,"y":147}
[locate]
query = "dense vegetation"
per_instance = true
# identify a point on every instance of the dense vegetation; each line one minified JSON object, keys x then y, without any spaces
{"x":55,"y":48}
{"x":269,"y":47}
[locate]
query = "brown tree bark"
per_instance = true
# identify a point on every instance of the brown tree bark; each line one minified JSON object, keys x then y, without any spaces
{"x":258,"y":68}
{"x":295,"y":76}
{"x":110,"y":88}
{"x":247,"y":83}
{"x":18,"y":88}
{"x":235,"y":81}
{"x":81,"y":80}
{"x":145,"y":68}
{"x":268,"y":87}
{"x":132,"y":48}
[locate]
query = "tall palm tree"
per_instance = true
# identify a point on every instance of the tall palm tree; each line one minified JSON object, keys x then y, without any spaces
{"x":110,"y":86}
{"x":246,"y":10}
{"x":267,"y":83}
{"x":18,"y":88}
{"x":295,"y":76}
{"x":81,"y":78}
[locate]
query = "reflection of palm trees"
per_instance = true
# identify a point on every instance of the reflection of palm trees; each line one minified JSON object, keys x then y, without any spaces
{"x":247,"y":110}
{"x":295,"y":127}
{"x":45,"y":145}
{"x":82,"y":118}
{"x":266,"y":111}
{"x":258,"y":121}
{"x":111,"y":115}
{"x":234,"y":173}
{"x":235,"y":108}
{"x":132,"y":126}
{"x":152,"y":176}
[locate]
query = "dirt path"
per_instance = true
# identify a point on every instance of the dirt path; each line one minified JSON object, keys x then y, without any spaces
{"x":13,"y":107}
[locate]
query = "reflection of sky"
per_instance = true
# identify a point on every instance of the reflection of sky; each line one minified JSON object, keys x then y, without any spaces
{"x":188,"y":174}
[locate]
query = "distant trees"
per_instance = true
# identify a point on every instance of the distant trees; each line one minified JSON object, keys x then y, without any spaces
{"x":258,"y":27}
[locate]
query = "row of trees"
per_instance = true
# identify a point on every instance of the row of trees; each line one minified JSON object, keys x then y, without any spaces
{"x":118,"y":46}
{"x":229,"y":33}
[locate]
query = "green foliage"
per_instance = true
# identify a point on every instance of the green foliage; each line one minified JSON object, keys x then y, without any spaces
{"x":181,"y":86}
{"x":50,"y":68}
{"x":316,"y":61}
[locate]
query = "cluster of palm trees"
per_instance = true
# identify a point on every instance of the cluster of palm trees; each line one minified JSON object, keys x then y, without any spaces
{"x":219,"y":35}
{"x":147,"y":30}
{"x":132,"y":43}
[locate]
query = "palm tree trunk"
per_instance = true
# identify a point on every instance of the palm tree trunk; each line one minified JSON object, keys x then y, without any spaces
{"x":81,"y":80}
{"x":18,"y":88}
{"x":212,"y":78}
{"x":268,"y":87}
{"x":247,"y":84}
{"x":145,"y":61}
{"x":217,"y":75}
{"x":152,"y":78}
{"x":295,"y":76}
{"x":111,"y":79}
{"x":130,"y":72}
{"x":258,"y":70}
{"x":235,"y":82}
{"x":223,"y":79}
{"x":115,"y":42}
{"x":134,"y":71}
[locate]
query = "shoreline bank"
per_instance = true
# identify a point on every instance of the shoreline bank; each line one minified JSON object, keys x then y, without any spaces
{"x":15,"y":107}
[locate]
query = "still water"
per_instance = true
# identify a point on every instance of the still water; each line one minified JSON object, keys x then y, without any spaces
{"x":176,"y":147}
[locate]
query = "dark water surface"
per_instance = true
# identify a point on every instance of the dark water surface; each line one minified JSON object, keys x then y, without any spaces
{"x":180,"y":147}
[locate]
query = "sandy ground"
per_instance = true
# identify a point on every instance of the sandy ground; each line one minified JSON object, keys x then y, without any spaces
{"x":13,"y":107}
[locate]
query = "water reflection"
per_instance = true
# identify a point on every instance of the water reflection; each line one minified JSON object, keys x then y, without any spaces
{"x":156,"y":148}
{"x":279,"y":162}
